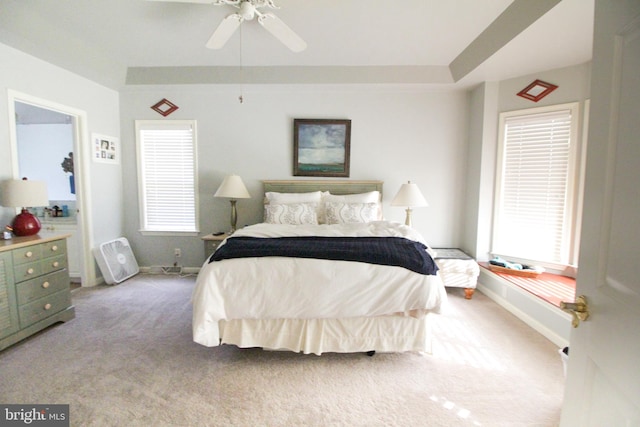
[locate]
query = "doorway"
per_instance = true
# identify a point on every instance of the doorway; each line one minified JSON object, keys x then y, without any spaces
{"x":46,"y":143}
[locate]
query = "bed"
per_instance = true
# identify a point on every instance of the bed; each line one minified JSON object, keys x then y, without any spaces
{"x":293,"y":298}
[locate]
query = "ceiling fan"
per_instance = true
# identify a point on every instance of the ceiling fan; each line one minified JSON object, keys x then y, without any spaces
{"x":247,"y":11}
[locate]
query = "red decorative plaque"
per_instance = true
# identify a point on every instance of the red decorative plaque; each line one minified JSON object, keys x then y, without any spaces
{"x":537,"y":90}
{"x":164,"y":107}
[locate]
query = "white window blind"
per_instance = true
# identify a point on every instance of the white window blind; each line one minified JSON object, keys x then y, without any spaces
{"x":535,"y":187}
{"x":167,"y":175}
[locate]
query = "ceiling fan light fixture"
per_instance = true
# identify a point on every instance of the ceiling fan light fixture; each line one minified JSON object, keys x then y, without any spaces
{"x":247,"y":11}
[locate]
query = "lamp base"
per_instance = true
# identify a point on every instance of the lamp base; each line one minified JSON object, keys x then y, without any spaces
{"x":25,"y":224}
{"x":234,"y":216}
{"x":407,"y":220}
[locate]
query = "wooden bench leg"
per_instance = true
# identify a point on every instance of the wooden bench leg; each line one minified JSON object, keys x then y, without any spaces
{"x":468,"y":292}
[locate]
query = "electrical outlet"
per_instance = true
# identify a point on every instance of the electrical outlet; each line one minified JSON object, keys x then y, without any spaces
{"x":177,"y":252}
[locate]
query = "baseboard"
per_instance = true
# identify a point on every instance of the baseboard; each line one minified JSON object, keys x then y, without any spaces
{"x":161,"y":270}
{"x":548,"y":320}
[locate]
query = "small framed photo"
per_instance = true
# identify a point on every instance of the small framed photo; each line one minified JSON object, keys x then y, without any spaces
{"x":106,"y":149}
{"x":321,"y":147}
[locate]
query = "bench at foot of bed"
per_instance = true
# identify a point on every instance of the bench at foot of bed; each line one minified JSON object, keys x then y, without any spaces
{"x":457,"y":270}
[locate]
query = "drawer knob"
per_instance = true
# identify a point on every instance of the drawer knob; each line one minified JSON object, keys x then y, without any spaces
{"x":30,"y":271}
{"x":47,"y":306}
{"x":55,"y":264}
{"x":45,"y":285}
{"x":54,"y":248}
{"x":28,"y":254}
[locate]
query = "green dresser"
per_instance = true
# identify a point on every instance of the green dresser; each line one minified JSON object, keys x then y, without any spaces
{"x":34,"y":286}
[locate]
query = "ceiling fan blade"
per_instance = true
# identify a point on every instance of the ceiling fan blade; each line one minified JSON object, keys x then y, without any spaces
{"x":282,"y":32}
{"x":224,"y":31}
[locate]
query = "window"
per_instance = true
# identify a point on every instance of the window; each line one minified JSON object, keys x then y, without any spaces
{"x":167,"y":181}
{"x":537,"y":195}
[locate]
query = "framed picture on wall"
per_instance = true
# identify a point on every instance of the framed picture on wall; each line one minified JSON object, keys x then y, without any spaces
{"x":106,"y":149}
{"x":321,"y":147}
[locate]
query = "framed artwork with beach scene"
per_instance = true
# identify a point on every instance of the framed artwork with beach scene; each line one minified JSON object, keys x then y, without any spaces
{"x":321,"y":147}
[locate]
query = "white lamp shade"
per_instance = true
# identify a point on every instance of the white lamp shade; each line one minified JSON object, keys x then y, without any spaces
{"x":233,"y":188}
{"x":18,"y":193}
{"x":409,"y":195}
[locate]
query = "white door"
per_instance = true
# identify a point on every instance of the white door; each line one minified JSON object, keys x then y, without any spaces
{"x":603,"y":378}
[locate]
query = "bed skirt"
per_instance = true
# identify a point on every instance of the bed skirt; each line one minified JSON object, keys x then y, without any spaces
{"x":317,"y":336}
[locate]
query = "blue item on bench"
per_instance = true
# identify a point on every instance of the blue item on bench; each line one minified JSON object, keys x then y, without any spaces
{"x":505,"y":264}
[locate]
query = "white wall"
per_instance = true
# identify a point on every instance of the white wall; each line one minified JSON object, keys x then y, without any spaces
{"x":398,"y":134}
{"x":483,"y":140}
{"x":487,"y":101}
{"x":41,"y":150}
{"x":28,"y":75}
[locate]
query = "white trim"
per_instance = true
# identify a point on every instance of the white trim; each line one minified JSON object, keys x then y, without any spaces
{"x":170,"y":233}
{"x":153,"y":124}
{"x":156,"y":269}
{"x":572,"y":207}
{"x":535,"y":312}
{"x":83,"y":196}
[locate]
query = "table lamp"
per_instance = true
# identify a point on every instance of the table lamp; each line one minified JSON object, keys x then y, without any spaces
{"x":233,"y":188}
{"x":22,"y":193}
{"x":410,"y":196}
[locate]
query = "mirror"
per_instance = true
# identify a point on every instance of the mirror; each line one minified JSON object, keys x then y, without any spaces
{"x":45,"y":150}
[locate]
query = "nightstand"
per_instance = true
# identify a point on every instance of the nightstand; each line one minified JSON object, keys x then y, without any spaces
{"x":212,"y":242}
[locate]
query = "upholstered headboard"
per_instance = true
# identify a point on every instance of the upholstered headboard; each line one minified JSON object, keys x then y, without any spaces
{"x":334,"y":187}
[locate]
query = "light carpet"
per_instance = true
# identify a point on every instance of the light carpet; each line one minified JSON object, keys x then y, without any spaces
{"x":128,"y":359}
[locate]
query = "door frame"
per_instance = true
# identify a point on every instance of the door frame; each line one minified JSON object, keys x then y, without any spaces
{"x":81,"y":161}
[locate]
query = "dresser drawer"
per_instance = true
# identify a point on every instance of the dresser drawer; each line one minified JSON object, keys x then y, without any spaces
{"x":27,"y":271}
{"x":34,"y":286}
{"x":26,"y":255}
{"x":49,"y":265}
{"x":55,"y":248}
{"x":42,"y":286}
{"x":43,"y":307}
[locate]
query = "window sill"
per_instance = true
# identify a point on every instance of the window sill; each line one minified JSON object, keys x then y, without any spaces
{"x":170,"y":233}
{"x":552,"y":288}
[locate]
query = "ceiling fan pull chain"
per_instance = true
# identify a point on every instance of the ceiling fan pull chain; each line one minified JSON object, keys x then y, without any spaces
{"x":241,"y":98}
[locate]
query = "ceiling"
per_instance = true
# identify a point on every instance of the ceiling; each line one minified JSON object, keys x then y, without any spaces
{"x":452,"y":43}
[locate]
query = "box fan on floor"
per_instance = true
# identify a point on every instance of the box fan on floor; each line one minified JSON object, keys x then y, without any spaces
{"x":116,"y":260}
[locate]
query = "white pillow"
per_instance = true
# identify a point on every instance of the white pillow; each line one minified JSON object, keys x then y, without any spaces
{"x":273,"y":197}
{"x":369,"y":197}
{"x":291,"y":213}
{"x":311,"y":197}
{"x":349,"y":213}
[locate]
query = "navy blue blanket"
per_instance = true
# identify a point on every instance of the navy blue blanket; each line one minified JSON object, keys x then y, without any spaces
{"x":393,"y":251}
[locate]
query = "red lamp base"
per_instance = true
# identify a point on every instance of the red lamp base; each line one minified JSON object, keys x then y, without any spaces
{"x":25,"y":224}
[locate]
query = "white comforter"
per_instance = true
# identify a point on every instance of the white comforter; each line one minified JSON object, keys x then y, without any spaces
{"x":298,"y":288}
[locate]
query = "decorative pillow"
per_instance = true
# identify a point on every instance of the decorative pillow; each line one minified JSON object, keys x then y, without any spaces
{"x":272,"y":197}
{"x":291,"y":213}
{"x":369,"y":197}
{"x":348,"y":213}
